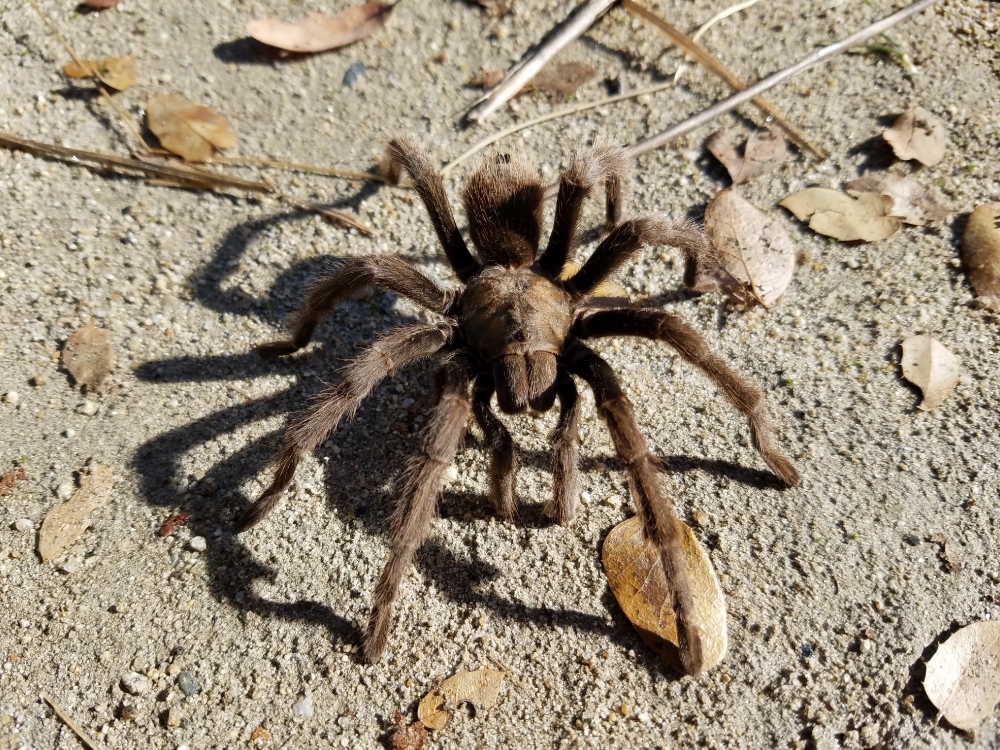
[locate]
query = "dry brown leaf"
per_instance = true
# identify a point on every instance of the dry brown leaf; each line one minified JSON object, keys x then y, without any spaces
{"x":89,"y":356}
{"x":830,"y":212}
{"x":963,"y":676}
{"x":118,"y":72}
{"x":606,"y":288}
{"x":753,"y":246}
{"x":189,"y":130}
{"x":318,"y":32}
{"x":763,"y":152}
{"x":64,"y":523}
{"x":407,"y":736}
{"x":11,"y":478}
{"x":948,"y":554}
{"x":931,"y":367}
{"x":481,"y":688}
{"x":495,"y":7}
{"x":101,"y":3}
{"x":912,"y":202}
{"x":917,"y":134}
{"x":981,"y":254}
{"x":558,"y":80}
{"x":635,"y":575}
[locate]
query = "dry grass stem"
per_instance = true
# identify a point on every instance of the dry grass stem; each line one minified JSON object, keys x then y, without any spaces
{"x":704,"y":58}
{"x":338,"y":216}
{"x":346,"y":174}
{"x":68,"y":721}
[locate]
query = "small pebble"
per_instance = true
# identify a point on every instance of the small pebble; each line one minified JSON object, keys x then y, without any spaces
{"x":87,"y":407}
{"x":912,"y":539}
{"x":12,"y":398}
{"x":24,"y":525}
{"x":40,"y":380}
{"x":134,"y":683}
{"x":451,"y":473}
{"x":174,"y":717}
{"x":69,"y":432}
{"x":187,"y":684}
{"x":65,"y":491}
{"x":806,"y":650}
{"x":853,"y":263}
{"x":304,"y":706}
{"x":173,"y":668}
{"x":353,"y":74}
{"x":197,"y":543}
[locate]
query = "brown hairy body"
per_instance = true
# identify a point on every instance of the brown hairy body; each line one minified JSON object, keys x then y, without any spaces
{"x":517,"y":330}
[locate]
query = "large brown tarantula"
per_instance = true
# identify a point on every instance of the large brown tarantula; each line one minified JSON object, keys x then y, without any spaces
{"x":517,"y":330}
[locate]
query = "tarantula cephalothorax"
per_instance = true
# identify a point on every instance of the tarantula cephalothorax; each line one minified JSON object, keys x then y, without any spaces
{"x":516,"y":330}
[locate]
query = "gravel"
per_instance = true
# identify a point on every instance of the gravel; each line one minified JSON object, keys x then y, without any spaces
{"x":134,"y":683}
{"x":263,"y":614}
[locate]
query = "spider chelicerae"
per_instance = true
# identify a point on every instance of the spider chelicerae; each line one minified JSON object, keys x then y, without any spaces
{"x":517,"y":330}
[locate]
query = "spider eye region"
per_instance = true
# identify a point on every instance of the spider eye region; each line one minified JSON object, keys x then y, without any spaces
{"x":516,"y":320}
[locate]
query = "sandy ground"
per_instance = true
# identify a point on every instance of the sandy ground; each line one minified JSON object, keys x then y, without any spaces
{"x":835,"y":595}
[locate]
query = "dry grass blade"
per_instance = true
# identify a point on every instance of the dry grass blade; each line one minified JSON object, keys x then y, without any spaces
{"x":704,"y":58}
{"x":79,"y":731}
{"x":338,"y":216}
{"x":318,"y":32}
{"x":189,"y":176}
{"x":346,"y":174}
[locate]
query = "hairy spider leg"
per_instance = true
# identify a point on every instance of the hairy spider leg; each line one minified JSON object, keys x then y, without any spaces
{"x":359,"y":378}
{"x":417,"y":504}
{"x":659,"y":520}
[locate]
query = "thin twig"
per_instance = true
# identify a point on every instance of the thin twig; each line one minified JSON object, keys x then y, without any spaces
{"x":716,"y":67}
{"x":742,"y":97}
{"x":203,"y":177}
{"x":571,"y":110}
{"x":722,"y":14}
{"x":292,"y":166}
{"x":68,"y":721}
{"x":96,"y":73}
{"x":338,"y":216}
{"x":577,"y":23}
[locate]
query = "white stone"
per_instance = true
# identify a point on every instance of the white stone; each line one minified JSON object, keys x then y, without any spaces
{"x":198,"y":543}
{"x":24,"y":525}
{"x":304,"y":706}
{"x":12,"y":398}
{"x":65,"y":491}
{"x":134,"y":683}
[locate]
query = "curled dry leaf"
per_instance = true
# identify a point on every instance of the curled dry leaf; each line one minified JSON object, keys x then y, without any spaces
{"x":407,"y":736}
{"x":981,"y":254}
{"x":481,"y":688}
{"x":101,"y":3}
{"x":931,"y":367}
{"x":318,"y":32}
{"x":753,"y":247}
{"x":64,"y":523}
{"x":948,"y":554}
{"x":558,"y":80}
{"x":963,"y":676}
{"x":917,"y":134}
{"x":830,"y":212}
{"x":636,"y":577}
{"x":89,"y":356}
{"x":118,"y":72}
{"x":763,"y":152}
{"x":189,"y":130}
{"x":912,"y":202}
{"x":11,"y":478}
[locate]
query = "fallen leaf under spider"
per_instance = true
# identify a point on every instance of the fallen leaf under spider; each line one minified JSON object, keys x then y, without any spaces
{"x":189,"y":130}
{"x":948,"y":554}
{"x":406,"y":736}
{"x":636,"y":577}
{"x":606,"y":289}
{"x":66,"y":522}
{"x":911,"y":201}
{"x":867,"y":217}
{"x":318,"y":32}
{"x":119,"y":73}
{"x":481,"y":688}
{"x":963,"y":676}
{"x":930,"y":366}
{"x":89,"y":356}
{"x":917,"y":134}
{"x":752,"y":246}
{"x":763,"y":153}
{"x":558,"y":80}
{"x":101,"y":3}
{"x":981,"y":254}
